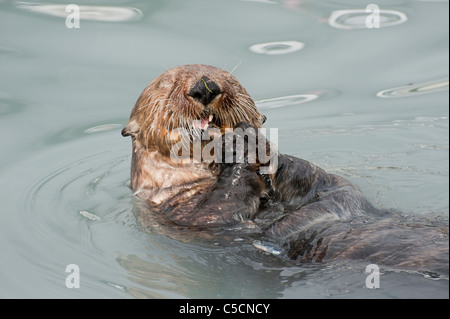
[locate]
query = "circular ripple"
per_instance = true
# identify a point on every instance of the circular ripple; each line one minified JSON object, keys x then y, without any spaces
{"x":277,"y":48}
{"x":87,"y":12}
{"x":67,"y":203}
{"x":416,"y":89}
{"x":72,"y":133}
{"x":285,"y":101}
{"x":356,"y":19}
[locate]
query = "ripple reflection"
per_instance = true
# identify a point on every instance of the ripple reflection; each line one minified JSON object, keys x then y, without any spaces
{"x":87,"y":12}
{"x":285,"y":101}
{"x":412,"y":89}
{"x":356,"y":19}
{"x":276,"y":48}
{"x":102,"y":128}
{"x":10,"y":105}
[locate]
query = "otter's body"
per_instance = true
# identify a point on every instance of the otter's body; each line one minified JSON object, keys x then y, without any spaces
{"x":315,"y":215}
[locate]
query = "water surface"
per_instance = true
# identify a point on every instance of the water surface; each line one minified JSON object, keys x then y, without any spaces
{"x":371,"y":105}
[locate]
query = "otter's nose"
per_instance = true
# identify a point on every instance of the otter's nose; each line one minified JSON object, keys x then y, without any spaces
{"x":204,"y":90}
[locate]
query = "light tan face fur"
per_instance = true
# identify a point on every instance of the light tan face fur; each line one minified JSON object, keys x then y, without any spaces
{"x":165,"y":106}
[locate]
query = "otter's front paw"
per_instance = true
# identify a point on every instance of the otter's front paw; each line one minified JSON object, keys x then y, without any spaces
{"x":240,"y":146}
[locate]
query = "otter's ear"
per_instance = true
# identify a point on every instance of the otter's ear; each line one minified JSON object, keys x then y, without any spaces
{"x":264,"y":118}
{"x":132,"y":129}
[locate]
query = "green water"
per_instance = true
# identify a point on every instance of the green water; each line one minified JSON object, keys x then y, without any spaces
{"x":371,"y":105}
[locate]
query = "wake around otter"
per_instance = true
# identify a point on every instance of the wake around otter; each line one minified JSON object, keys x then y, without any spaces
{"x":200,"y":160}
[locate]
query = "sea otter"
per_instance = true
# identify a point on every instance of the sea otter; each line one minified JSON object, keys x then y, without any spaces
{"x":313,"y":215}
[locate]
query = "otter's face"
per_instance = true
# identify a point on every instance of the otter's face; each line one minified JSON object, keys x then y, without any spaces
{"x":189,"y":97}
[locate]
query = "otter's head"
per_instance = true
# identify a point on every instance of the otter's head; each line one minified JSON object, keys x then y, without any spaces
{"x":189,"y":97}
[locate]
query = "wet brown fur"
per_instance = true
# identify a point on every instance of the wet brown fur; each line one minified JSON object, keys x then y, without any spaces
{"x":314,"y":215}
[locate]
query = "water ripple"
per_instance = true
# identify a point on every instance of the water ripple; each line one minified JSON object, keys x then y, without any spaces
{"x":261,"y":1}
{"x":356,"y":19}
{"x":5,"y":50}
{"x":102,"y":128}
{"x":277,"y":48}
{"x":68,"y":204}
{"x":10,"y":105}
{"x":76,"y":132}
{"x":285,"y":101}
{"x":420,"y":88}
{"x":87,"y":12}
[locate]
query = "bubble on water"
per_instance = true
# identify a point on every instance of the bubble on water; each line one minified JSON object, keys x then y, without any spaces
{"x":89,"y":215}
